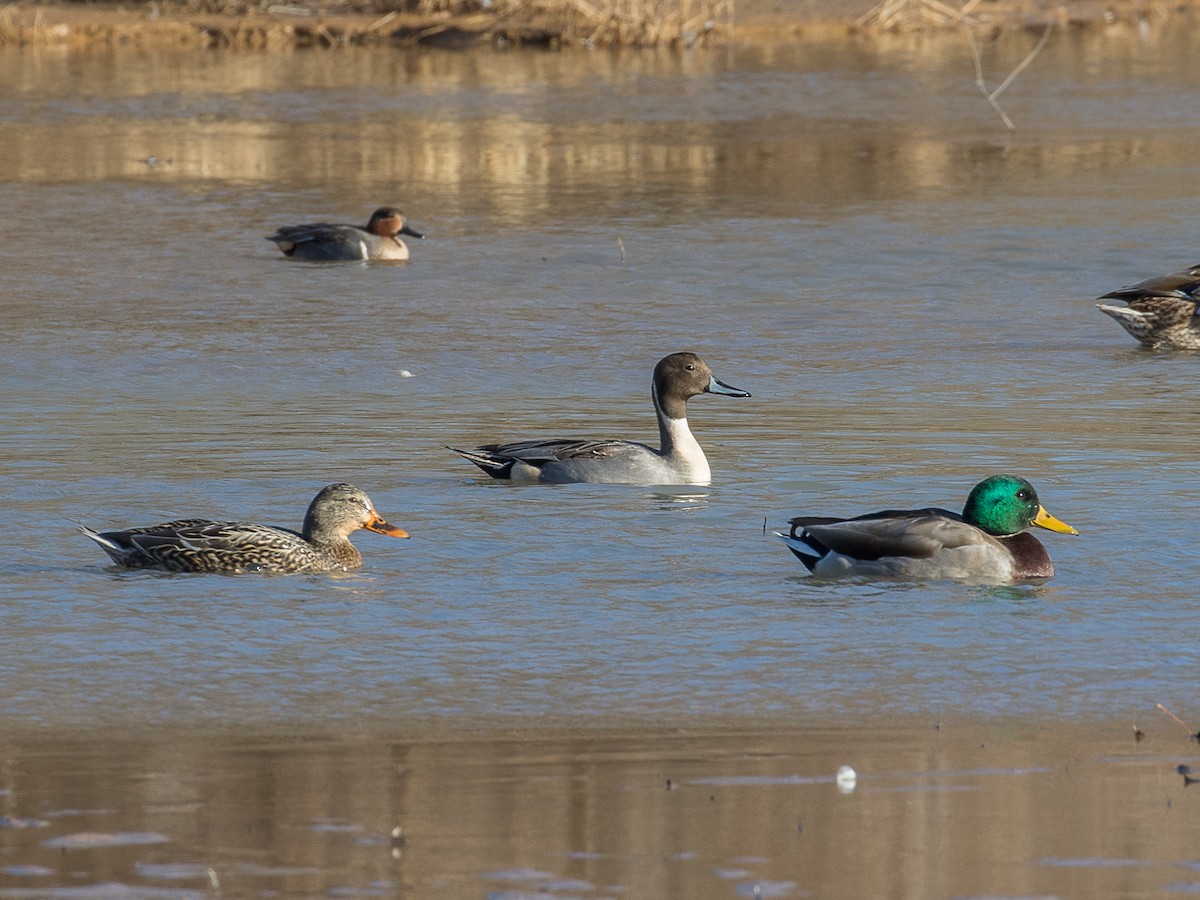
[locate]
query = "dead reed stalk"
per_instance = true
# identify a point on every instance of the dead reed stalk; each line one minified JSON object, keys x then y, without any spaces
{"x":991,"y":96}
{"x":910,"y":15}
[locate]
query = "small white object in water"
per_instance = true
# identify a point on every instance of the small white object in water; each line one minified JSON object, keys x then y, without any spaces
{"x":404,"y":373}
{"x":847,"y":779}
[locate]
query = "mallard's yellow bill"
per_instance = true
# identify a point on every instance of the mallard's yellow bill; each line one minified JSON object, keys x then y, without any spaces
{"x":1045,"y":520}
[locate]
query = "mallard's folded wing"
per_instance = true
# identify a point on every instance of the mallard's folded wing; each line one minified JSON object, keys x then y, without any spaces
{"x":191,"y":536}
{"x":1179,"y":285}
{"x":918,"y":536}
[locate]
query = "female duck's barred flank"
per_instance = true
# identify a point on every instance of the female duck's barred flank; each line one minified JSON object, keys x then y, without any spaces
{"x":229,"y":548}
{"x":322,"y":241}
{"x":1160,"y":312}
{"x":678,"y":460}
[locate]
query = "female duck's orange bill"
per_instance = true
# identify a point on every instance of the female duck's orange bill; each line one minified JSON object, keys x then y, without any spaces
{"x":377,"y":524}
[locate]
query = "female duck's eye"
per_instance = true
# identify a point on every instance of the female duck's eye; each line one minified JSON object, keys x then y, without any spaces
{"x":691,"y":368}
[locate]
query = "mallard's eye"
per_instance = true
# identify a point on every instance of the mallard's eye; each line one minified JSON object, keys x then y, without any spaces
{"x":1022,"y":494}
{"x":691,"y":368}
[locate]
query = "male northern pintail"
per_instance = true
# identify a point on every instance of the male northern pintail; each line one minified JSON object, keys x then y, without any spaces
{"x":229,"y":548}
{"x":378,"y":239}
{"x":679,"y":460}
{"x":987,"y":542}
{"x":1160,"y":312}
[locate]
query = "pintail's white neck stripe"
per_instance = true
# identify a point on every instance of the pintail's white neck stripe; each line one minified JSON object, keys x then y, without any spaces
{"x":681,"y":446}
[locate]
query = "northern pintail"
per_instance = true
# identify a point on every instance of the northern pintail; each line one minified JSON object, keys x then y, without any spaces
{"x":229,"y":548}
{"x":679,"y":459}
{"x":1160,"y":312}
{"x":987,"y":542}
{"x":378,"y":239}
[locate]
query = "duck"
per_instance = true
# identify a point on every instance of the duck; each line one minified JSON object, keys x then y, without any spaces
{"x":1160,"y":312}
{"x":379,"y":239}
{"x":986,"y":542}
{"x":678,"y":459}
{"x":231,"y":548}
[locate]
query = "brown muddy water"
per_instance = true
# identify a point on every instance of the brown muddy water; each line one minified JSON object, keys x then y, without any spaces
{"x":594,"y":691}
{"x":960,"y":810}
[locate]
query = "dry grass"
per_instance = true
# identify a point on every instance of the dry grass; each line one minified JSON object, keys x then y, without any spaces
{"x":905,"y":15}
{"x":323,"y":23}
{"x":640,"y":23}
{"x":929,"y":15}
{"x":268,"y":24}
{"x":628,"y":23}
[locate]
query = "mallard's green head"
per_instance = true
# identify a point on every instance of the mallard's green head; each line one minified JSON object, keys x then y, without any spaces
{"x":1005,"y":504}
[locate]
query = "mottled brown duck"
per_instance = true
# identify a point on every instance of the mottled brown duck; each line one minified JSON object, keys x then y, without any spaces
{"x":1160,"y":312}
{"x":232,"y":548}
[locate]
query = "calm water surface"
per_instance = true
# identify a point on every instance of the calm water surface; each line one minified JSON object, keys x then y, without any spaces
{"x":847,"y":232}
{"x":997,"y":810}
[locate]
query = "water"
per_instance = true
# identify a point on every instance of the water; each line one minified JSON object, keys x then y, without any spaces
{"x":847,"y":232}
{"x":1068,"y":812}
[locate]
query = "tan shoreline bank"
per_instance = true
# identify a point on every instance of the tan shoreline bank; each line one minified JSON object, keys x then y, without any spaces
{"x":549,"y":23}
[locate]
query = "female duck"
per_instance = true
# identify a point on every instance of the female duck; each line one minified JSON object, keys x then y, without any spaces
{"x":230,"y":548}
{"x":1160,"y":311}
{"x":678,"y":460}
{"x":378,"y":239}
{"x":986,"y":543}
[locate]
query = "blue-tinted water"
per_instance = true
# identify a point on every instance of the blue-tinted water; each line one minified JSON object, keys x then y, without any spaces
{"x":905,"y":288}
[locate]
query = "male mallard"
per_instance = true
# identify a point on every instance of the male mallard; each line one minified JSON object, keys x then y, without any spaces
{"x":1161,"y":311}
{"x":378,"y":239}
{"x":230,"y":548}
{"x":679,"y":460}
{"x":986,"y":542}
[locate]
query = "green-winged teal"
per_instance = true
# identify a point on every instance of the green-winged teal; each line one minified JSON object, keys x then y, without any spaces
{"x":378,"y":239}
